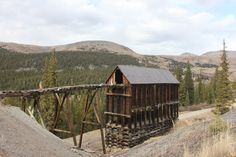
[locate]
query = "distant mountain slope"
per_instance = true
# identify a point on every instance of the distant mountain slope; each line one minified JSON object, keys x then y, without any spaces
{"x":204,"y":64}
{"x":66,"y":59}
{"x":24,"y":48}
{"x":91,"y":46}
{"x":97,"y":46}
{"x":207,"y":62}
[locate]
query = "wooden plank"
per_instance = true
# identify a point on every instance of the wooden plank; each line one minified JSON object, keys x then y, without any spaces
{"x":70,"y":120}
{"x":60,"y":103}
{"x":91,"y":123}
{"x":119,"y":94}
{"x":160,"y":94}
{"x":144,"y":104}
{"x":63,"y":131}
{"x":63,"y":89}
{"x":86,"y":109}
{"x":100,"y":124}
{"x":23,"y":103}
{"x":155,"y":95}
{"x":128,"y":105}
{"x":117,"y":114}
{"x":133,"y":103}
{"x":115,"y":107}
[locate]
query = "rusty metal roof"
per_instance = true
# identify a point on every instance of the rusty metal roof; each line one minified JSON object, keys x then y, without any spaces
{"x":143,"y":75}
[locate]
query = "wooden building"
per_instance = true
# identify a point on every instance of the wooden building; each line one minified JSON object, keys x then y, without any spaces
{"x":148,"y":106}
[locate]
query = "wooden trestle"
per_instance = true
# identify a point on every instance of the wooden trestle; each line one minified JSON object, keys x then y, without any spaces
{"x":133,"y":112}
{"x":31,"y":104}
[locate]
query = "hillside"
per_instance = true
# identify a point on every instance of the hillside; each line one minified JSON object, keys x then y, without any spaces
{"x":190,"y":133}
{"x":22,"y":136}
{"x":207,"y":62}
{"x":21,"y":65}
{"x":191,"y":137}
{"x":83,"y":46}
{"x":24,"y":71}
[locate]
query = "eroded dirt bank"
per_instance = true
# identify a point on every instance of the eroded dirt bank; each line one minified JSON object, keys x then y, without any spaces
{"x":21,"y":136}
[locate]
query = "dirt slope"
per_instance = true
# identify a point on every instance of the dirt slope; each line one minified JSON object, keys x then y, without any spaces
{"x":189,"y":132}
{"x":207,"y":59}
{"x":93,"y":46}
{"x":21,"y":136}
{"x":204,"y":64}
{"x":180,"y":139}
{"x":91,"y":142}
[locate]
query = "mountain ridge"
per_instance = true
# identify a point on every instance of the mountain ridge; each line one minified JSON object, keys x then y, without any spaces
{"x":90,"y":45}
{"x":204,"y":64}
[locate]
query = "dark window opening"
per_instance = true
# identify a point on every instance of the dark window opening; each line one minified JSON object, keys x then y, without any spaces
{"x":118,"y":77}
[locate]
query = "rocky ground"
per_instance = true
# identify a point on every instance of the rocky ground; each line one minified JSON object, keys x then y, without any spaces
{"x":186,"y":127}
{"x":21,"y":136}
{"x":191,"y":131}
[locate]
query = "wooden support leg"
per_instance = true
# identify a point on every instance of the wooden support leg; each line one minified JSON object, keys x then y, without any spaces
{"x":69,"y":120}
{"x":89,"y":101}
{"x":37,"y":109}
{"x":61,"y":103}
{"x":84,"y":118}
{"x":99,"y":122}
{"x":24,"y":104}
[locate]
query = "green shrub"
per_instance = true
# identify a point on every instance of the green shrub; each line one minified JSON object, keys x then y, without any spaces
{"x":218,"y":126}
{"x":221,"y":110}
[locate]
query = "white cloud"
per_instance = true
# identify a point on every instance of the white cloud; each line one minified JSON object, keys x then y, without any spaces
{"x":147,"y":26}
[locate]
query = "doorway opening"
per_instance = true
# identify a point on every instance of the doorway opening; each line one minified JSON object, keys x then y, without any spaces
{"x":118,"y":77}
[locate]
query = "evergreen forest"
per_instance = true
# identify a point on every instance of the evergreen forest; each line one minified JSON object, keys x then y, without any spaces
{"x":20,"y":71}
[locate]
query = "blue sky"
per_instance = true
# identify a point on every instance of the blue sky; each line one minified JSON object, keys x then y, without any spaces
{"x":146,"y":26}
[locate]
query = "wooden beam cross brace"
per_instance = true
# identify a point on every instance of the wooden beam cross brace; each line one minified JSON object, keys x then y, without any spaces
{"x":88,"y":103}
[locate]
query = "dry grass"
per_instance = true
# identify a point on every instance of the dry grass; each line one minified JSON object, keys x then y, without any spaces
{"x":221,"y":145}
{"x":218,"y":126}
{"x":196,"y":107}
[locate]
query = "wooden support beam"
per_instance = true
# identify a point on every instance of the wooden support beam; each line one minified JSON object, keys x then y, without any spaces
{"x":63,"y":131}
{"x":100,"y":123}
{"x":84,"y":118}
{"x":69,"y":120}
{"x":60,"y":103}
{"x":91,"y":123}
{"x":118,"y":94}
{"x":64,"y":89}
{"x":23,"y":103}
{"x":86,"y":109}
{"x":117,"y":114}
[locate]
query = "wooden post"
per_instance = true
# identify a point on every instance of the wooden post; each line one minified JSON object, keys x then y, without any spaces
{"x":23,"y":104}
{"x":84,"y":118}
{"x":86,"y":109}
{"x":60,"y":103}
{"x":69,"y":120}
{"x":99,"y":122}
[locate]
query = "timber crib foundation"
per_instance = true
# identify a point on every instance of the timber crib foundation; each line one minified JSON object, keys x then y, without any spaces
{"x":147,"y":107}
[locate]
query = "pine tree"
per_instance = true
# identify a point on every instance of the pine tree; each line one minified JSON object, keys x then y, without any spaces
{"x":182,"y":93}
{"x":200,"y":90}
{"x":196,"y":95}
{"x":224,"y":91}
{"x":179,"y":76}
{"x":49,"y":79}
{"x":178,"y":73}
{"x":189,"y":86}
{"x":215,"y":84}
{"x":210,"y":93}
{"x":187,"y":100}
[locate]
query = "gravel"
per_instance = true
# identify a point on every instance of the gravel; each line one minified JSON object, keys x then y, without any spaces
{"x":22,"y":136}
{"x":179,"y":139}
